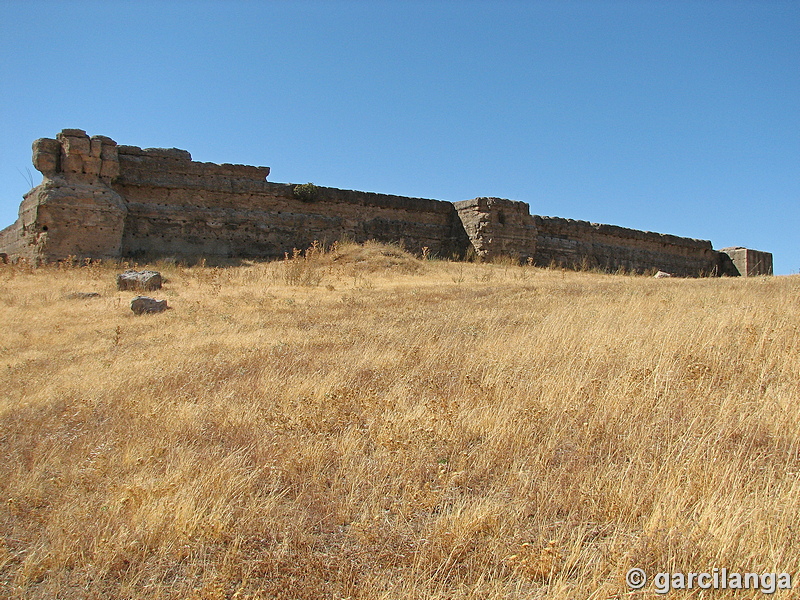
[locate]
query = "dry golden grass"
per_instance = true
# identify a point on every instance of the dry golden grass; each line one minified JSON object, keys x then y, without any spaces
{"x":363,"y":424}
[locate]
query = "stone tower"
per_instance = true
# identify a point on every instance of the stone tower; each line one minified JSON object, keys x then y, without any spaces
{"x":74,"y":211}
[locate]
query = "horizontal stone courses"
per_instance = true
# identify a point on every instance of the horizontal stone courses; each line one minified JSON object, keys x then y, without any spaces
{"x":382,"y":200}
{"x":151,"y":198}
{"x":142,"y":178}
{"x":618,"y":242}
{"x":99,"y":199}
{"x":484,"y":202}
{"x":222,"y":220}
{"x":681,"y":261}
{"x":169,"y":153}
{"x":142,"y":166}
{"x":169,"y":181}
{"x":620,"y":248}
{"x":573,"y":228}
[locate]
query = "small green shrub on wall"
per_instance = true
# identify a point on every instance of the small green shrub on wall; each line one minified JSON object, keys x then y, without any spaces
{"x":307,"y":192}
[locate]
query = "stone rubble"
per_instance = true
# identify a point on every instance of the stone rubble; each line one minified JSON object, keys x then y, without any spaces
{"x":139,"y":280}
{"x":141,"y":305}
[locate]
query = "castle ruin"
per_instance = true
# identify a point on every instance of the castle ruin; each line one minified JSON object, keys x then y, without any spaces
{"x":99,"y":199}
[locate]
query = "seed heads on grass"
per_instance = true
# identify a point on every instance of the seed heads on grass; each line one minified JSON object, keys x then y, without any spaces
{"x":424,"y":439}
{"x":303,"y":268}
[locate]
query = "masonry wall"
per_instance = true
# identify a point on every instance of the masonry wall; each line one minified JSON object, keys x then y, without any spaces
{"x":103,"y":200}
{"x":99,"y":199}
{"x":747,"y":262}
{"x":180,"y":207}
{"x":582,"y":244}
{"x":499,"y":227}
{"x":74,"y":211}
{"x":12,"y":243}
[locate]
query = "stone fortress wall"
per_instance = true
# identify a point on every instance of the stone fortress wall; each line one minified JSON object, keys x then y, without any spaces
{"x":99,"y":199}
{"x":611,"y":248}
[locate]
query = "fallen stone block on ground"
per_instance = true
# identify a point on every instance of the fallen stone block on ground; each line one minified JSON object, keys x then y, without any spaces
{"x":139,"y":280}
{"x":144,"y":305}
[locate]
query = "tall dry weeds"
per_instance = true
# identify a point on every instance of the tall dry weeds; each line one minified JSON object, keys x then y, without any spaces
{"x":393,"y":428}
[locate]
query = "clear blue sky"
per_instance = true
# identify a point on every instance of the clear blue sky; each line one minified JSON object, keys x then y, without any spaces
{"x":677,"y":117}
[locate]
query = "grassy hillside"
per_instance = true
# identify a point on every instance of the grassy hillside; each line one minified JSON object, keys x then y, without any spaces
{"x":363,"y":424}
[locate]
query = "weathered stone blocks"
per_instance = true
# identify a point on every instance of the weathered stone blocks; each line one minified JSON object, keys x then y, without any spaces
{"x":73,"y":212}
{"x":580,"y":244}
{"x":77,"y":144}
{"x":47,"y":156}
{"x":498,"y":227}
{"x":144,"y":305}
{"x":139,"y":280}
{"x":748,"y":262}
{"x":99,"y":199}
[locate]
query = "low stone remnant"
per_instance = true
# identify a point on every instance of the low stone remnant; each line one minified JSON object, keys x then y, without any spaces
{"x":139,"y":280}
{"x":142,"y":305}
{"x":749,"y":263}
{"x":662,"y":274}
{"x":82,"y":295}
